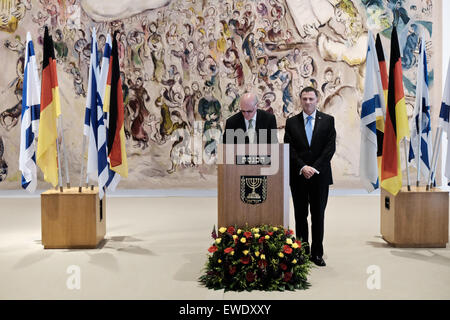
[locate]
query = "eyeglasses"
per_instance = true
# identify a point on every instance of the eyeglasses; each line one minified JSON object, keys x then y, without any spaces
{"x":247,"y":111}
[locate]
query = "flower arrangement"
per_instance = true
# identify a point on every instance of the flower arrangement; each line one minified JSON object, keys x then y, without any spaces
{"x":259,"y":258}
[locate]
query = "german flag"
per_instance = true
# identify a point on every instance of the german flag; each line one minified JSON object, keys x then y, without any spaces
{"x":396,"y":126}
{"x":47,"y":156}
{"x":381,"y":117}
{"x":116,"y":133}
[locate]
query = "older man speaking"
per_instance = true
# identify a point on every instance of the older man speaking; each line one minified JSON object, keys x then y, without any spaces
{"x":250,"y":125}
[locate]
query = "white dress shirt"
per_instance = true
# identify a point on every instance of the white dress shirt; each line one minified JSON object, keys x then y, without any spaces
{"x":313,"y":122}
{"x":247,"y":122}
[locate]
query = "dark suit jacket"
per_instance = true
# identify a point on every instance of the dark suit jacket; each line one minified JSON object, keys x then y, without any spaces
{"x":264,"y":120}
{"x":319,"y":154}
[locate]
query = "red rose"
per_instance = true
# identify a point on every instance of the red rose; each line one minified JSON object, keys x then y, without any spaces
{"x":232,"y":270}
{"x":231,"y":230}
{"x":283,"y":266}
{"x":212,"y":249}
{"x":289,"y":232}
{"x":245,"y":260}
{"x":261,"y":240}
{"x":250,"y":276}
{"x":270,"y":233}
{"x":287,"y":276}
{"x":287,"y":249}
{"x":299,"y":243}
{"x":262,"y":264}
{"x":228,"y":250}
{"x":247,"y":234}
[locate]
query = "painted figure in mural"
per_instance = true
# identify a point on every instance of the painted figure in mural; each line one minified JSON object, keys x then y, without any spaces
{"x":77,"y":79}
{"x":11,"y":14}
{"x":275,"y":34}
{"x":330,"y":83}
{"x":81,"y":47}
{"x":266,"y":102}
{"x":408,"y":58}
{"x":233,"y":93}
{"x":40,"y":18}
{"x":209,"y":109}
{"x":234,"y":65}
{"x":61,"y":47}
{"x":159,"y":66}
{"x":248,"y":47}
{"x":185,"y":55}
{"x":285,"y":76}
{"x":135,"y":44}
{"x":3,"y":164}
{"x":137,"y":99}
{"x":307,"y":68}
{"x":10,"y":117}
{"x":189,"y":106}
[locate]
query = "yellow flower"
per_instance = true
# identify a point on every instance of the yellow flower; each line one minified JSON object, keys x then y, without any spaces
{"x":257,"y":235}
{"x":235,"y":236}
{"x":295,"y":245}
{"x":281,"y":255}
{"x":219,"y":261}
{"x":239,"y":231}
{"x":267,"y":237}
{"x":218,"y":240}
{"x":222,"y":230}
{"x":275,"y":229}
{"x":263,"y":257}
{"x":232,"y":253}
{"x":294,"y":261}
{"x":245,"y":252}
{"x":255,"y":230}
{"x":243,"y":240}
{"x":257,"y":253}
{"x":288,"y":241}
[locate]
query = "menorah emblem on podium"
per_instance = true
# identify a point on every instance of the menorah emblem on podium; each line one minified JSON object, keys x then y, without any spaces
{"x":253,"y":189}
{"x":254,"y":183}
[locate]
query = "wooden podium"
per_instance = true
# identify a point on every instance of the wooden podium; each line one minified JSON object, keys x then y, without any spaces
{"x":72,"y":219}
{"x":250,"y":190}
{"x":416,"y":218}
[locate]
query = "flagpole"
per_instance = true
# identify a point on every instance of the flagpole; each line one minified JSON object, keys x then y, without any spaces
{"x":58,"y":153}
{"x":82,"y":164}
{"x":437,"y":141}
{"x":419,"y":134}
{"x":433,"y":174}
{"x":66,"y":163}
{"x":407,"y":167}
{"x":419,"y":142}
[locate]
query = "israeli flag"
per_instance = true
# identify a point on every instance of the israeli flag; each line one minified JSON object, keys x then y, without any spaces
{"x":444,"y":118}
{"x":31,"y":105}
{"x":421,"y":127}
{"x":94,"y":126}
{"x":373,"y":104}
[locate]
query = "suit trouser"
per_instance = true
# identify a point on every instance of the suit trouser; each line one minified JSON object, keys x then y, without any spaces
{"x":313,"y":194}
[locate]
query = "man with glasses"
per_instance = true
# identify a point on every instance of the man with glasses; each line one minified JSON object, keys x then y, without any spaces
{"x":250,"y":125}
{"x":312,"y":142}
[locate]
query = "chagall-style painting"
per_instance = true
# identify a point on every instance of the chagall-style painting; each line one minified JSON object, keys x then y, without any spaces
{"x":185,"y":63}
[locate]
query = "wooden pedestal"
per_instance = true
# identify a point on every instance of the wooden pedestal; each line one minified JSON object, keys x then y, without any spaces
{"x":71,"y":219}
{"x":416,"y":218}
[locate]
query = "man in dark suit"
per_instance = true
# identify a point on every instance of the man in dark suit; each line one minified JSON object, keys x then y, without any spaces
{"x":312,"y":142}
{"x":250,"y":125}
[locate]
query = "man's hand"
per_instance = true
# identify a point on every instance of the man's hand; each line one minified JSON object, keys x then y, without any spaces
{"x":308,"y":172}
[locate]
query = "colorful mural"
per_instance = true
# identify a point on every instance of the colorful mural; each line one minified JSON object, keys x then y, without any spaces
{"x":185,"y":63}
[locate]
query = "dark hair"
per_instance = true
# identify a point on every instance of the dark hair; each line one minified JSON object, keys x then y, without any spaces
{"x":309,"y":89}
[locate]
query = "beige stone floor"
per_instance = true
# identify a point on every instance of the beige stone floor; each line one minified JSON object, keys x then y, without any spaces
{"x":156,"y":247}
